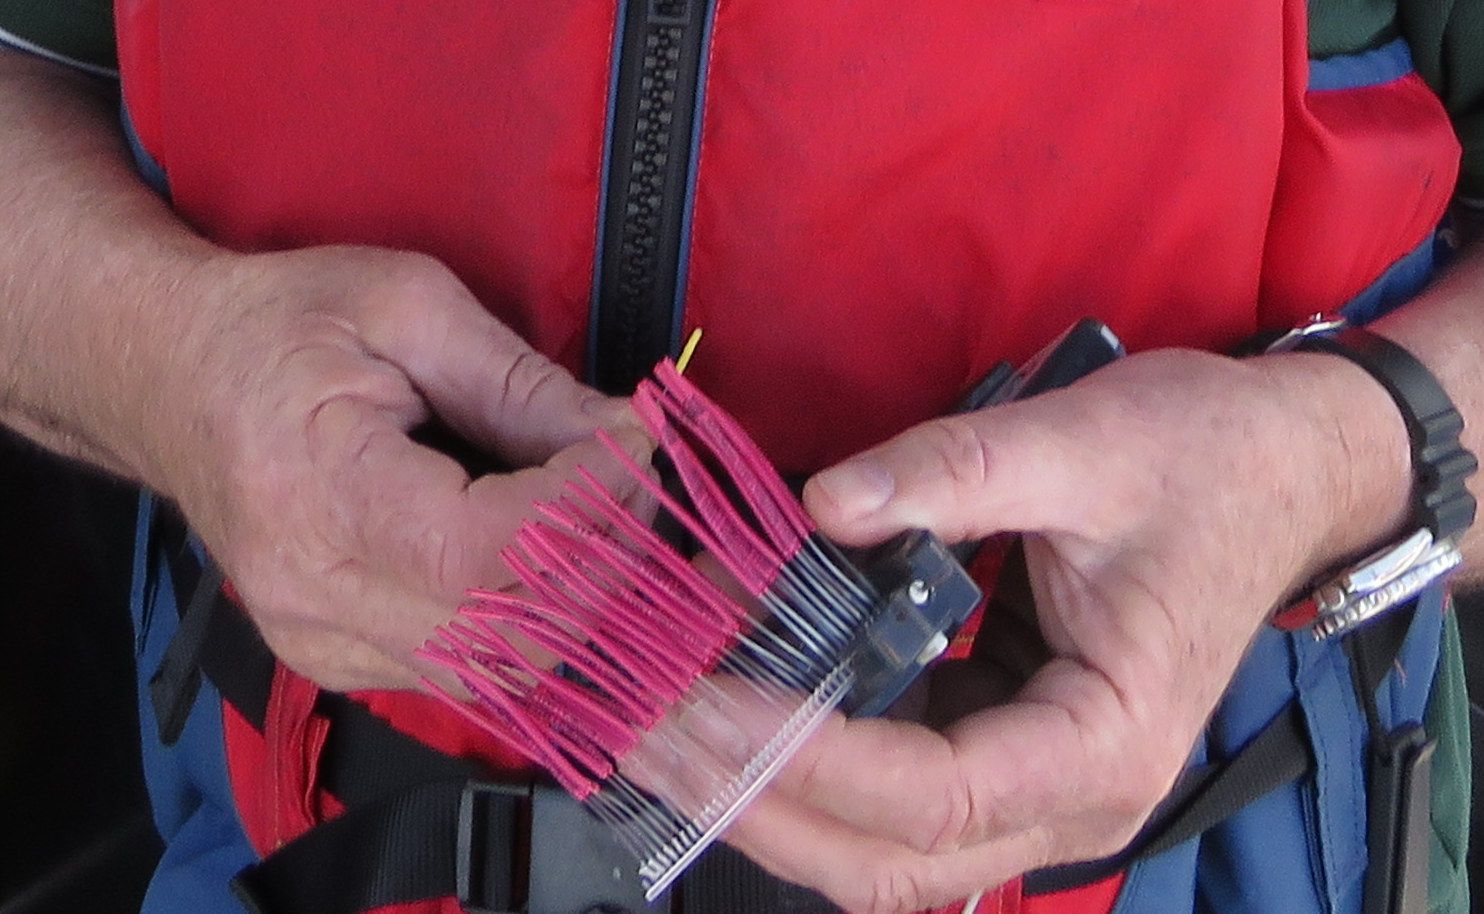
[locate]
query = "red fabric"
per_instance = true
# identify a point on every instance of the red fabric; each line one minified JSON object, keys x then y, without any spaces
{"x":136,"y":23}
{"x":1010,"y":898}
{"x":862,"y":251}
{"x":1098,"y":898}
{"x":275,"y":774}
{"x":1365,"y":175}
{"x":943,"y":197}
{"x":471,"y":134}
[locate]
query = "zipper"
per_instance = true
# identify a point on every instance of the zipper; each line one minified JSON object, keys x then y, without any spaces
{"x":647,"y":185}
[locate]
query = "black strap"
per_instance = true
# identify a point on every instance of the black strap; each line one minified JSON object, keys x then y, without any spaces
{"x":1276,"y":756}
{"x":1204,"y":796}
{"x":724,"y":880}
{"x":364,"y":757}
{"x":1280,"y":753}
{"x":1440,"y":500}
{"x":397,"y":849}
{"x":173,"y":687}
{"x":398,"y":840}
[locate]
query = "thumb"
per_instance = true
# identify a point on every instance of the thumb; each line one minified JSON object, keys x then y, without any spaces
{"x":962,"y":477}
{"x":486,"y":382}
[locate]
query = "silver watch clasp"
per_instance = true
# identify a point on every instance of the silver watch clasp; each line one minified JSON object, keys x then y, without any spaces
{"x":1315,"y":325}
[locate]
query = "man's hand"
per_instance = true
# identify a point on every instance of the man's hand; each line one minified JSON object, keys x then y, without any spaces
{"x":288,"y":451}
{"x":1168,"y":503}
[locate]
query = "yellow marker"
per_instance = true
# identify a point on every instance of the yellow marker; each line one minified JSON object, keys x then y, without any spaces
{"x":688,"y":351}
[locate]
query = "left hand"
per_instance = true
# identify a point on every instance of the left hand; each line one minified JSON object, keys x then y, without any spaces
{"x":1168,"y":503}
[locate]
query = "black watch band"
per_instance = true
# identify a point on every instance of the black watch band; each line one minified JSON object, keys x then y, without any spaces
{"x":1440,"y":462}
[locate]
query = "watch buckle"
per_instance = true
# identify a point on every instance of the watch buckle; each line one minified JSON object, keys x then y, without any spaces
{"x":1314,"y":325}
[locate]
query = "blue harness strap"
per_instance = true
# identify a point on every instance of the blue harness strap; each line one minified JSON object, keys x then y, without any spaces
{"x":191,"y":796}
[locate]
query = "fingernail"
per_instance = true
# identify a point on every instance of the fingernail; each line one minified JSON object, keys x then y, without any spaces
{"x":610,"y":412}
{"x":856,"y":487}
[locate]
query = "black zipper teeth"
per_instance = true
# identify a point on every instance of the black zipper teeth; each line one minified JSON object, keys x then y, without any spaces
{"x":649,"y":170}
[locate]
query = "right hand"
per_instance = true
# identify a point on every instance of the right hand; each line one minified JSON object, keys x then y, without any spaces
{"x":284,"y":438}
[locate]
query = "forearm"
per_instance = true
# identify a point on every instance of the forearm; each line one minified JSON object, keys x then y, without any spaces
{"x":93,"y":270}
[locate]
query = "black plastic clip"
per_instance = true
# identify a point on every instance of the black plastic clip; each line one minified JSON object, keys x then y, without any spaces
{"x":489,"y":827}
{"x":1399,"y":826}
{"x":928,"y":596}
{"x":578,"y":866}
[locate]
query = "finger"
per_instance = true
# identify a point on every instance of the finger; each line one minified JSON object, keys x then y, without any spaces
{"x":485,"y":381}
{"x":1064,"y":753}
{"x":963,"y":477}
{"x":889,"y":778}
{"x":336,"y":661}
{"x":867,"y":874}
{"x":495,"y":506}
{"x":1070,"y":753}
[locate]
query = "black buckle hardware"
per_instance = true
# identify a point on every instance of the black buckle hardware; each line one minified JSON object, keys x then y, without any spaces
{"x":489,"y":830}
{"x":577,"y":866}
{"x":1398,"y":824}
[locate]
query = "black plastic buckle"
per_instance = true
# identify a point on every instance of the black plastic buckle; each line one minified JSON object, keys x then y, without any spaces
{"x":1398,"y":824}
{"x":577,"y":865}
{"x":927,"y":596}
{"x":489,"y":832}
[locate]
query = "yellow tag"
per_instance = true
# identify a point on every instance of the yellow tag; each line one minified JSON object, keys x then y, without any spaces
{"x":688,"y":350}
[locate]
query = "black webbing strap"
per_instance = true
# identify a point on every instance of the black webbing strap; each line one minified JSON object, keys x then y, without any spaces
{"x":173,"y":687}
{"x":1207,"y":795}
{"x":725,"y":881}
{"x":402,"y":848}
{"x":1204,"y":796}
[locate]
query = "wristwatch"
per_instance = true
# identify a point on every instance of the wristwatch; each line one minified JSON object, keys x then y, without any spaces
{"x":1442,"y":508}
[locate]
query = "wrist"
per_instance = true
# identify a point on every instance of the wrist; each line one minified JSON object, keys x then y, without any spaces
{"x":1353,"y":454}
{"x":181,"y":370}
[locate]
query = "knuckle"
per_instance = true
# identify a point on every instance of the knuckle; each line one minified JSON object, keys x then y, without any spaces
{"x":528,"y":374}
{"x":894,"y":890}
{"x":961,"y":450}
{"x":418,"y":276}
{"x":402,"y":292}
{"x":959,"y":821}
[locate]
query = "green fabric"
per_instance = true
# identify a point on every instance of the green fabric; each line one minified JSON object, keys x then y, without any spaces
{"x":1448,"y":722}
{"x":1347,"y":26}
{"x":76,"y":29}
{"x":1447,"y":39}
